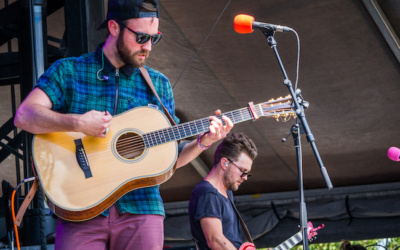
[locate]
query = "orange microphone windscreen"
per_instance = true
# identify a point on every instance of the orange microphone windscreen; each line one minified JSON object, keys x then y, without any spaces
{"x":243,"y":24}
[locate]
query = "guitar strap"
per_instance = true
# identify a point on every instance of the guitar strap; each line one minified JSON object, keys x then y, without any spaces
{"x":244,"y":227}
{"x":245,"y":230}
{"x":27,"y":200}
{"x":25,"y":204}
{"x":146,"y":76}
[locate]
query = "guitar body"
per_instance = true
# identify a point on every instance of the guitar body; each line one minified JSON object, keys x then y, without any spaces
{"x":71,"y":195}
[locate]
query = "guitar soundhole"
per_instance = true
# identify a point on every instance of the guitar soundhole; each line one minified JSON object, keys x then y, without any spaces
{"x":130,"y":145}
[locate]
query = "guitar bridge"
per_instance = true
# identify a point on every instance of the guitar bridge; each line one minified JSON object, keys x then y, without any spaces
{"x":81,"y":158}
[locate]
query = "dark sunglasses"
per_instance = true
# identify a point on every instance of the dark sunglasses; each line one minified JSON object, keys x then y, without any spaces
{"x":142,"y":38}
{"x":248,"y":174}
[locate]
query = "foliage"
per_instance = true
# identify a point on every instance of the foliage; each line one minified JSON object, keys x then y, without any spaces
{"x":373,"y":244}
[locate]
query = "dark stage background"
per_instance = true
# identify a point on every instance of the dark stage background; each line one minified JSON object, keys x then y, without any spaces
{"x":349,"y":73}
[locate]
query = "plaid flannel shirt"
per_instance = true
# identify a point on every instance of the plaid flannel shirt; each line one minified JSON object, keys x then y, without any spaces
{"x":73,"y":86}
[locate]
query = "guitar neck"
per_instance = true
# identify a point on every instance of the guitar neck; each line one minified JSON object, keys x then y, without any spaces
{"x":275,"y":108}
{"x":188,"y":129}
{"x":291,"y":242}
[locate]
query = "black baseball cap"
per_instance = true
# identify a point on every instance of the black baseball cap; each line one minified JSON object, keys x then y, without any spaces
{"x":126,"y":9}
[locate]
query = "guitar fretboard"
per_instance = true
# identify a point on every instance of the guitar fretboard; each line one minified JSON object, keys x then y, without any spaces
{"x":188,"y":129}
{"x":291,"y":242}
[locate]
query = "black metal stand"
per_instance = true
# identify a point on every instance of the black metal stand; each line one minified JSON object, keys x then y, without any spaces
{"x":296,"y":131}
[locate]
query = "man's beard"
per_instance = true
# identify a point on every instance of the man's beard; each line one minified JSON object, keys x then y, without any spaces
{"x":230,"y":186}
{"x":126,"y":57}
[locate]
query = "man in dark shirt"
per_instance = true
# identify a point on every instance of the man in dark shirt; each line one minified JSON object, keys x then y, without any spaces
{"x":213,"y":221}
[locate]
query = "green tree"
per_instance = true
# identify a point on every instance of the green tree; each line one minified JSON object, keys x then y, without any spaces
{"x":372,"y":244}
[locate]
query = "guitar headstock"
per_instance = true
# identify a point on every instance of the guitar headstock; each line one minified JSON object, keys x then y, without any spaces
{"x":311,"y":231}
{"x":280,"y":108}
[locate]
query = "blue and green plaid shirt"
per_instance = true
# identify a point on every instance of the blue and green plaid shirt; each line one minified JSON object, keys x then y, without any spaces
{"x":73,"y":86}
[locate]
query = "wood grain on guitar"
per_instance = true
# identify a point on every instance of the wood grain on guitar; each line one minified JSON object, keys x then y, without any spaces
{"x":82,"y":176}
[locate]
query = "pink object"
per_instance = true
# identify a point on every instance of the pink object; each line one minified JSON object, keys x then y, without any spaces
{"x":394,"y":154}
{"x":247,"y":246}
{"x":117,"y":231}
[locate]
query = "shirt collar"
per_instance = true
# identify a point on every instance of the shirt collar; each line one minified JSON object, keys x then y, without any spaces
{"x":103,"y":61}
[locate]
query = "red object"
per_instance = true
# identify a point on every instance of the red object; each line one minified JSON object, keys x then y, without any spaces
{"x":243,"y":24}
{"x":247,"y":246}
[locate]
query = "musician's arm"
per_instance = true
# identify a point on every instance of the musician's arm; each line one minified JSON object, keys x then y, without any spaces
{"x":191,"y":150}
{"x":212,"y":229}
{"x":36,"y":116}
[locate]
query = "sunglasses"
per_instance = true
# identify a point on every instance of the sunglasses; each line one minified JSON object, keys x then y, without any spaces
{"x":142,"y":38}
{"x":248,"y":174}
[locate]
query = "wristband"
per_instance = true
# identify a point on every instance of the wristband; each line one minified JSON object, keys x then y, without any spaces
{"x":201,"y":145}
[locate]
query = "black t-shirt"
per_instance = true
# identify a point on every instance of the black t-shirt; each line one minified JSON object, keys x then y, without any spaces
{"x":206,"y":201}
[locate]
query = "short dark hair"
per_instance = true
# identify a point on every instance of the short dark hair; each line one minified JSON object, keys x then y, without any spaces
{"x":233,"y":145}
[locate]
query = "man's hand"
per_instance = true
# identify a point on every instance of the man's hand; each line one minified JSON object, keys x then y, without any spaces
{"x":36,"y":116}
{"x":94,"y":123}
{"x":217,"y":129}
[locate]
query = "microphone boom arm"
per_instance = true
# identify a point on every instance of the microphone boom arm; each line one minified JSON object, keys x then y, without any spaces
{"x":299,"y":110}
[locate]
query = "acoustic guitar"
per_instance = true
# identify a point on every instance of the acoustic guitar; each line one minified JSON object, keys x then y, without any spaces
{"x":82,"y":176}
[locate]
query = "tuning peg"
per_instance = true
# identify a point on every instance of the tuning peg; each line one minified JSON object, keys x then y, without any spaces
{"x":305,"y":104}
{"x":284,"y":140}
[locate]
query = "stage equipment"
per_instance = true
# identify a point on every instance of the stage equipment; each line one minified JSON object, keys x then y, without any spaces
{"x":242,"y":24}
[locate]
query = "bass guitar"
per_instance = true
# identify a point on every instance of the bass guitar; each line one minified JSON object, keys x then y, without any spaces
{"x":82,"y":176}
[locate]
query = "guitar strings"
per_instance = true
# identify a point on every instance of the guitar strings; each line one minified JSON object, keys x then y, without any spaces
{"x":135,"y":144}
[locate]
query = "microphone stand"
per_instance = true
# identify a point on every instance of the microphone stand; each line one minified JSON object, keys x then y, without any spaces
{"x":296,"y":132}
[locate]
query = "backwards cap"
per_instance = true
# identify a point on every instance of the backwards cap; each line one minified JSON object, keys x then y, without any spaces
{"x":126,"y":9}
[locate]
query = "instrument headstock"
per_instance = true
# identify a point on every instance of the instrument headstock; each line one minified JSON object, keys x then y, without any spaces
{"x":280,"y":108}
{"x":312,"y":232}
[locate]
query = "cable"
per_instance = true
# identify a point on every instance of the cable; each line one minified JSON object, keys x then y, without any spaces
{"x":201,"y":45}
{"x":298,"y":58}
{"x":13,"y":217}
{"x":12,"y":209}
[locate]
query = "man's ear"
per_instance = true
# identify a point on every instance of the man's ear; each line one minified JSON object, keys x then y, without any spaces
{"x":224,"y":163}
{"x":113,"y":27}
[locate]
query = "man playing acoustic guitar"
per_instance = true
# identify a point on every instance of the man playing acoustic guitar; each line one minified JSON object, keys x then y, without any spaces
{"x":81,"y":94}
{"x":213,"y":220}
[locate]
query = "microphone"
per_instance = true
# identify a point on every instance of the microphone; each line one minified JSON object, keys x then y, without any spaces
{"x":394,"y":154}
{"x":244,"y":24}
